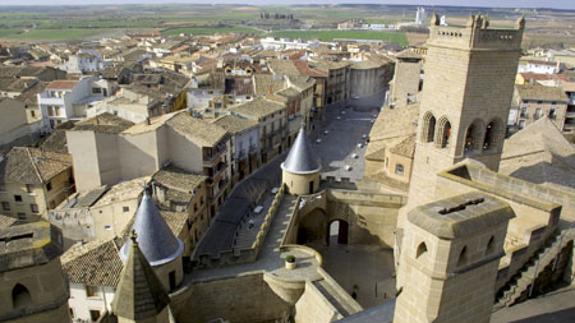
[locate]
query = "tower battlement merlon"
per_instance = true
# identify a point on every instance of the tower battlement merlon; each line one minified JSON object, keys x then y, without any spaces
{"x":476,"y":34}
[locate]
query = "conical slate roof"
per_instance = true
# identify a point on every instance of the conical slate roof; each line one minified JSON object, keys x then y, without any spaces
{"x":301,"y":159}
{"x":156,"y":240}
{"x":140,"y":294}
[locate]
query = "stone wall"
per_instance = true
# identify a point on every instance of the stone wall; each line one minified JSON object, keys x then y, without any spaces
{"x":371,"y":217}
{"x":244,"y":298}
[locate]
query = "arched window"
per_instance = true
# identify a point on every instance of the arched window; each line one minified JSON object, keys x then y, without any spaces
{"x":494,"y":132}
{"x":490,"y":245}
{"x":20,"y":296}
{"x":470,"y":139}
{"x":462,"y":260}
{"x":473,"y":136}
{"x":428,"y":129}
{"x":421,"y":250}
{"x":444,"y":133}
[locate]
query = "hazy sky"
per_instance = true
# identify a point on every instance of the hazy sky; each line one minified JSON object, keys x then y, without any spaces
{"x":560,"y":4}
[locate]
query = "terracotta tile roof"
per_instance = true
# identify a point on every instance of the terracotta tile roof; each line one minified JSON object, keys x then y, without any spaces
{"x":198,"y":131}
{"x":406,"y":147}
{"x":103,"y":123}
{"x":180,"y":184}
{"x":539,"y":153}
{"x":32,"y":165}
{"x":283,"y":67}
{"x":234,"y":124}
{"x":257,"y":108}
{"x":96,"y":263}
{"x":62,"y":84}
{"x":268,"y":84}
{"x":305,"y":69}
{"x":537,"y":92}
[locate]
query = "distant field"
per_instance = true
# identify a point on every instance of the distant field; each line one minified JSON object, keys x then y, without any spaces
{"x":209,"y":30}
{"x":53,"y":34}
{"x":329,"y":35}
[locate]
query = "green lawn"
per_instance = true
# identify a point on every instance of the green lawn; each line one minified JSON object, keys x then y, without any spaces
{"x":208,"y":30}
{"x":329,"y":35}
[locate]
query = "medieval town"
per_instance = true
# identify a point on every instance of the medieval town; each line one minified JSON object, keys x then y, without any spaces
{"x":240,"y":176}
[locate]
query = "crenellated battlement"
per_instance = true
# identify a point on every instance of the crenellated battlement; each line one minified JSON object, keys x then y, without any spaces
{"x":476,"y":34}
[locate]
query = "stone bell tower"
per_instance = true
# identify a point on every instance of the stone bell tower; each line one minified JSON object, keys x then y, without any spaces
{"x":469,"y":77}
{"x":450,"y":257}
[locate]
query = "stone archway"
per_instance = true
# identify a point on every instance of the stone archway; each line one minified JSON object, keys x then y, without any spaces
{"x":311,"y":227}
{"x":337,"y":232}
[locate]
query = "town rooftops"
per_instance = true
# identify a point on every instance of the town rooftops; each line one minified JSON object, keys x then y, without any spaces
{"x":198,"y":131}
{"x":154,"y":236}
{"x":29,"y":244}
{"x":32,"y":166}
{"x":540,"y":154}
{"x":62,"y":85}
{"x":95,"y":263}
{"x":268,"y":84}
{"x":301,"y":159}
{"x":234,"y":124}
{"x":259,"y":107}
{"x":535,"y":92}
{"x":180,"y":185}
{"x":461,"y":216}
{"x":103,"y":123}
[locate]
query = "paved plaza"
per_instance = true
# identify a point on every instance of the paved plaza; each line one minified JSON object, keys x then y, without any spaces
{"x":340,"y":142}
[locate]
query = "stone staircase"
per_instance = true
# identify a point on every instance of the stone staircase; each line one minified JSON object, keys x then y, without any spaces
{"x":527,"y":275}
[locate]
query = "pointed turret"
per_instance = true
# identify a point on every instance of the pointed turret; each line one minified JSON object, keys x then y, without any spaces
{"x":156,"y":240}
{"x":301,"y":159}
{"x":301,"y":169}
{"x":140,"y":295}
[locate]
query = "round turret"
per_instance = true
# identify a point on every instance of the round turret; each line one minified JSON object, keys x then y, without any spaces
{"x":301,"y":170}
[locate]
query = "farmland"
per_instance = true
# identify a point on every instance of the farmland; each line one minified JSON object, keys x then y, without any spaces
{"x":329,"y":35}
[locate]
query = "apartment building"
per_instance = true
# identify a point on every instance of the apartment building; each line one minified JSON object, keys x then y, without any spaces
{"x":245,"y":141}
{"x":33,"y":181}
{"x":107,"y":150}
{"x":273,"y":121}
{"x":64,"y":100}
{"x":534,"y":101}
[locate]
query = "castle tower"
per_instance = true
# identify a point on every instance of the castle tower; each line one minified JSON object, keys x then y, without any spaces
{"x":157,"y":243}
{"x":469,"y":77}
{"x":140,"y":296}
{"x":450,"y":258}
{"x":301,"y":170}
{"x":33,"y":287}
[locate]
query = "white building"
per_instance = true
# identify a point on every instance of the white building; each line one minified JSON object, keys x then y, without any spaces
{"x":128,"y":105}
{"x":539,"y":67}
{"x":285,"y":44}
{"x":64,"y":100}
{"x":85,"y":61}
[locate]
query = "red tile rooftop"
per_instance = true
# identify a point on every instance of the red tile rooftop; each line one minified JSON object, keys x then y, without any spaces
{"x":62,"y":85}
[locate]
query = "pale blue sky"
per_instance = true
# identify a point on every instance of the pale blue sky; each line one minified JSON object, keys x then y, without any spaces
{"x":559,"y":4}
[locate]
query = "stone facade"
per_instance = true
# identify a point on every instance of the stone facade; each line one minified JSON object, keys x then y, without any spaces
{"x":32,"y":284}
{"x":449,"y":261}
{"x":464,"y":108}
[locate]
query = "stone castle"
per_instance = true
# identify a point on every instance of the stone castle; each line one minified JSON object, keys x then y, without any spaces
{"x":458,"y":242}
